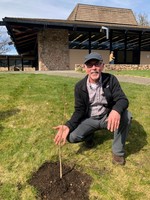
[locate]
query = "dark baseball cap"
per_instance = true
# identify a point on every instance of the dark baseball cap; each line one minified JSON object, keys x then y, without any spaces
{"x":93,"y":56}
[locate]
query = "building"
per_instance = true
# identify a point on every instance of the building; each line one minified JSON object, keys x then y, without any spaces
{"x":61,"y":44}
{"x":17,"y":63}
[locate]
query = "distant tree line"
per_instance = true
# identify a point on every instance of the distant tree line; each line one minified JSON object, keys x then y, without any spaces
{"x":4,"y":41}
{"x":142,"y":19}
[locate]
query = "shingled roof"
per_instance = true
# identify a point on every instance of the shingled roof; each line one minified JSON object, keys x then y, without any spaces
{"x":92,"y":13}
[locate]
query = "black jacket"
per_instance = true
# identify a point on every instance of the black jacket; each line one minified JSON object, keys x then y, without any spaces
{"x":115,"y":97}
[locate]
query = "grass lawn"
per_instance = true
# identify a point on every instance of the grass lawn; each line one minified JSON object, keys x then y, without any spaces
{"x":31,"y":104}
{"x":142,"y":73}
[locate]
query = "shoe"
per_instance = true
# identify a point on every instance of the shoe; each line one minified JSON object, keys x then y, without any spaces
{"x":119,"y":160}
{"x":89,"y":143}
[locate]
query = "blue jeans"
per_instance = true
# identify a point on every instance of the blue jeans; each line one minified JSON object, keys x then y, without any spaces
{"x":88,"y":126}
{"x":112,"y":62}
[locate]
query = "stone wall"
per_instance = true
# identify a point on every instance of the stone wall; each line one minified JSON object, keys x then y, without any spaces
{"x":127,"y":67}
{"x":53,"y":50}
{"x":26,"y":68}
{"x":3,"y":69}
{"x":117,"y":67}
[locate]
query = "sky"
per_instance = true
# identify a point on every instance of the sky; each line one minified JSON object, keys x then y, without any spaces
{"x":61,"y":9}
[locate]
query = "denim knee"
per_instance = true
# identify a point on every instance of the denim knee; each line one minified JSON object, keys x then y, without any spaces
{"x":126,"y":117}
{"x":73,"y":138}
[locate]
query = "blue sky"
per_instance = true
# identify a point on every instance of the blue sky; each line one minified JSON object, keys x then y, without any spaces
{"x":60,"y":9}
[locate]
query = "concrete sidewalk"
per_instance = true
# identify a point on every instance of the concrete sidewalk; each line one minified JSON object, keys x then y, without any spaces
{"x":74,"y":74}
{"x":121,"y":78}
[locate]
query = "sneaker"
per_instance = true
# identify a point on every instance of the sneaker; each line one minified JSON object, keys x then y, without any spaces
{"x":119,"y":160}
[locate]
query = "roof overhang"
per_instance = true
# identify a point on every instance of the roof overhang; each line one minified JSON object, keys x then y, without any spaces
{"x":23,"y":31}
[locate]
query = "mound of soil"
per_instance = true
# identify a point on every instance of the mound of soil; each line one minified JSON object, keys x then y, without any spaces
{"x":72,"y":186}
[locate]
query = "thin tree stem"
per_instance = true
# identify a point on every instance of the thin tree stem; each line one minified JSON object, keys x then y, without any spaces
{"x":60,"y":154}
{"x":60,"y":161}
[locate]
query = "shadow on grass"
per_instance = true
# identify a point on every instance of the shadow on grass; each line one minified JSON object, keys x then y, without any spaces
{"x":137,"y":138}
{"x":100,"y":137}
{"x":6,"y":114}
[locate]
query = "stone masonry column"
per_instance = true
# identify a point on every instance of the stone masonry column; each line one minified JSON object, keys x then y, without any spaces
{"x":53,"y":50}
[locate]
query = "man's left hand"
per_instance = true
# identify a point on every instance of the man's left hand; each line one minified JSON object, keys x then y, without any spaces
{"x":113,"y":121}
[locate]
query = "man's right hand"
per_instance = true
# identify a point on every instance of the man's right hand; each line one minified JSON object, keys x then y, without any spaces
{"x":63,"y":131}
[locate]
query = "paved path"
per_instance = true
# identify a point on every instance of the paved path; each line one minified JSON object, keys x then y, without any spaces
{"x":71,"y":73}
{"x":121,"y":78}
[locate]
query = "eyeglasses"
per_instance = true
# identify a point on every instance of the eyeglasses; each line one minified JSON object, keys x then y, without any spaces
{"x":96,"y":64}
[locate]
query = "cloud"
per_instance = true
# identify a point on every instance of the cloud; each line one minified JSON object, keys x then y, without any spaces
{"x":32,"y":9}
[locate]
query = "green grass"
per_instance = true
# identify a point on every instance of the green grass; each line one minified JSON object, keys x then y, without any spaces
{"x":142,"y":73}
{"x":30,"y":105}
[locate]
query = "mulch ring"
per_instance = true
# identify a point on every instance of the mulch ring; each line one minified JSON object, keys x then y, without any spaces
{"x":74,"y":185}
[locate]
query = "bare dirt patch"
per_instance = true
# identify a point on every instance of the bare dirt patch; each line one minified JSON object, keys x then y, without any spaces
{"x":74,"y":185}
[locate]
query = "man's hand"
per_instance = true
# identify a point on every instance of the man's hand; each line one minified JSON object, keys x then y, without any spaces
{"x":113,"y":121}
{"x":61,"y":135}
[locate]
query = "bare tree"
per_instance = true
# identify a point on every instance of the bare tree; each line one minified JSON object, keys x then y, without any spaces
{"x":4,"y":41}
{"x":142,"y":19}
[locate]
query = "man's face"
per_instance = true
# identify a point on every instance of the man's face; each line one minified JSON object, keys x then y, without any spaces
{"x":94,"y":68}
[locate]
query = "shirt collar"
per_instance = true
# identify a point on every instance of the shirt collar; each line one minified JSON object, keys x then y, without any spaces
{"x":90,"y":84}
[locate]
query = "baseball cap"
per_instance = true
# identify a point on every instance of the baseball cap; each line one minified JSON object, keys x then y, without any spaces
{"x":91,"y":56}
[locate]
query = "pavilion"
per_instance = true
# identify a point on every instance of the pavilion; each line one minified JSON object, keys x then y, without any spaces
{"x":61,"y":44}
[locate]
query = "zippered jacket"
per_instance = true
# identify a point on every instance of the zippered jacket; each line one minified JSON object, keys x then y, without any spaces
{"x":116,"y":99}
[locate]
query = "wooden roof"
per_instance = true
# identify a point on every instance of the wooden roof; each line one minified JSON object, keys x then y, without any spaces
{"x":24,"y":31}
{"x":92,"y":13}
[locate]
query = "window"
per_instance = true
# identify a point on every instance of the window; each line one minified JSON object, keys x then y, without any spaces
{"x":3,"y":63}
